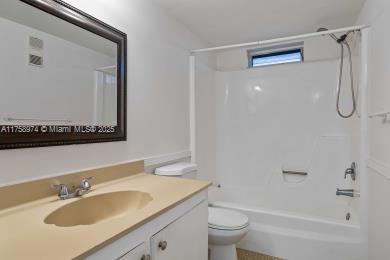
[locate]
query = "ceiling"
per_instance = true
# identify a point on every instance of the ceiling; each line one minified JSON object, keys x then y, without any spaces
{"x":220,"y":22}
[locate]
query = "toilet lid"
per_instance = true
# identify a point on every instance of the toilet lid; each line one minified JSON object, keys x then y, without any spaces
{"x":227,"y":219}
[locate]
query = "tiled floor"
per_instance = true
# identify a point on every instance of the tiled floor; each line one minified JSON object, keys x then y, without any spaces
{"x":248,"y":255}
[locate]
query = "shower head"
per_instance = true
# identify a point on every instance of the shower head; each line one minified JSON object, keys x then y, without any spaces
{"x":322,"y":29}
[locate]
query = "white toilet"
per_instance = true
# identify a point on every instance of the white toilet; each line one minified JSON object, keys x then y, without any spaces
{"x":226,"y":227}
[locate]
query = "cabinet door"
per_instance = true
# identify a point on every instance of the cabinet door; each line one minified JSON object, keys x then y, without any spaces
{"x":184,"y":239}
{"x":138,"y":253}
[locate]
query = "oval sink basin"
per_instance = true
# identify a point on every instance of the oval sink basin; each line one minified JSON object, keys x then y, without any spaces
{"x":91,"y":210}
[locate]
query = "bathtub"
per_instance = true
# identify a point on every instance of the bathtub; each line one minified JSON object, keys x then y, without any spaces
{"x":292,"y":235}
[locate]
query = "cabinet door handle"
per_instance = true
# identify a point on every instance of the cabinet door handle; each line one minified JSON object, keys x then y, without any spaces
{"x":163,"y":245}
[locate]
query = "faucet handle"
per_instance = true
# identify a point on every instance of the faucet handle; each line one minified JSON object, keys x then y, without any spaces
{"x":351,"y":171}
{"x":63,"y":191}
{"x":347,"y":172}
{"x":85,"y":184}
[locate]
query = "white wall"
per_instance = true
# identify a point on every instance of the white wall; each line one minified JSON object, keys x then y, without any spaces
{"x":66,"y":77}
{"x":376,"y":13}
{"x":158,"y":95}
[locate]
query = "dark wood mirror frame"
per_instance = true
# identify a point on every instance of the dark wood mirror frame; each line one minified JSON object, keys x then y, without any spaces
{"x":72,"y":15}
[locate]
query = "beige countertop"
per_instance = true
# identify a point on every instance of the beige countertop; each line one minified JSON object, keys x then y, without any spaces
{"x":24,"y":235}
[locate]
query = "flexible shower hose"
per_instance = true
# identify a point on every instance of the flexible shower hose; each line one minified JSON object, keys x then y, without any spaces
{"x":340,"y":81}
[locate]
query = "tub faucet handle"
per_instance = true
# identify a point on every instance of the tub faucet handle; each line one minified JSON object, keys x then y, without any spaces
{"x":351,"y":171}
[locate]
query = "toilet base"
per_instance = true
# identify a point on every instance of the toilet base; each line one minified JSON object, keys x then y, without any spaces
{"x":223,"y":252}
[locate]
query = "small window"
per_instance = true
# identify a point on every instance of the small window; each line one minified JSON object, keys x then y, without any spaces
{"x":276,"y":55}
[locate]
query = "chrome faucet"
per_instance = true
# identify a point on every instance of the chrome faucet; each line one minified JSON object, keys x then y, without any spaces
{"x":65,"y":193}
{"x":347,"y":192}
{"x":85,"y":186}
{"x":351,"y":171}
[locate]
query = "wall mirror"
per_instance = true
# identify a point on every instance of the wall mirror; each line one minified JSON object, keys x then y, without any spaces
{"x":62,"y":76}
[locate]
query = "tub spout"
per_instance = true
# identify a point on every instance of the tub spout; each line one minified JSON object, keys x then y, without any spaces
{"x":347,"y":192}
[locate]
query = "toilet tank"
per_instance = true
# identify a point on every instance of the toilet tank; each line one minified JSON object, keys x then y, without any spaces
{"x":182,"y":170}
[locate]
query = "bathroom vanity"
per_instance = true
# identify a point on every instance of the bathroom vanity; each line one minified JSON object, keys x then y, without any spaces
{"x":180,"y":233}
{"x":140,"y":217}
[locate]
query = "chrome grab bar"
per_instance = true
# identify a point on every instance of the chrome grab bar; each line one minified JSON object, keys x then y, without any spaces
{"x":294,"y":173}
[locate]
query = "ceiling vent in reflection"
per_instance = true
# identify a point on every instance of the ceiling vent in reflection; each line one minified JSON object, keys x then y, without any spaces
{"x":36,"y":43}
{"x":36,"y":60}
{"x":35,"y":55}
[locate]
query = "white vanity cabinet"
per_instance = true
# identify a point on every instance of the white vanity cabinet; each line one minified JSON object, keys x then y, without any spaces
{"x":138,"y":253}
{"x":185,"y":238}
{"x":181,"y":233}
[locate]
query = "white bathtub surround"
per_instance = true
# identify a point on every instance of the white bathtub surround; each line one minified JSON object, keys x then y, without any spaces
{"x":279,"y":119}
{"x":289,"y":124}
{"x":283,"y":118}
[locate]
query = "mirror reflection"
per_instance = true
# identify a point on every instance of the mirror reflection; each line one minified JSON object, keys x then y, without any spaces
{"x":53,"y":72}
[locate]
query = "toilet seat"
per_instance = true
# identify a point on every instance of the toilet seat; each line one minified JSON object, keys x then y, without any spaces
{"x":224,"y":219}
